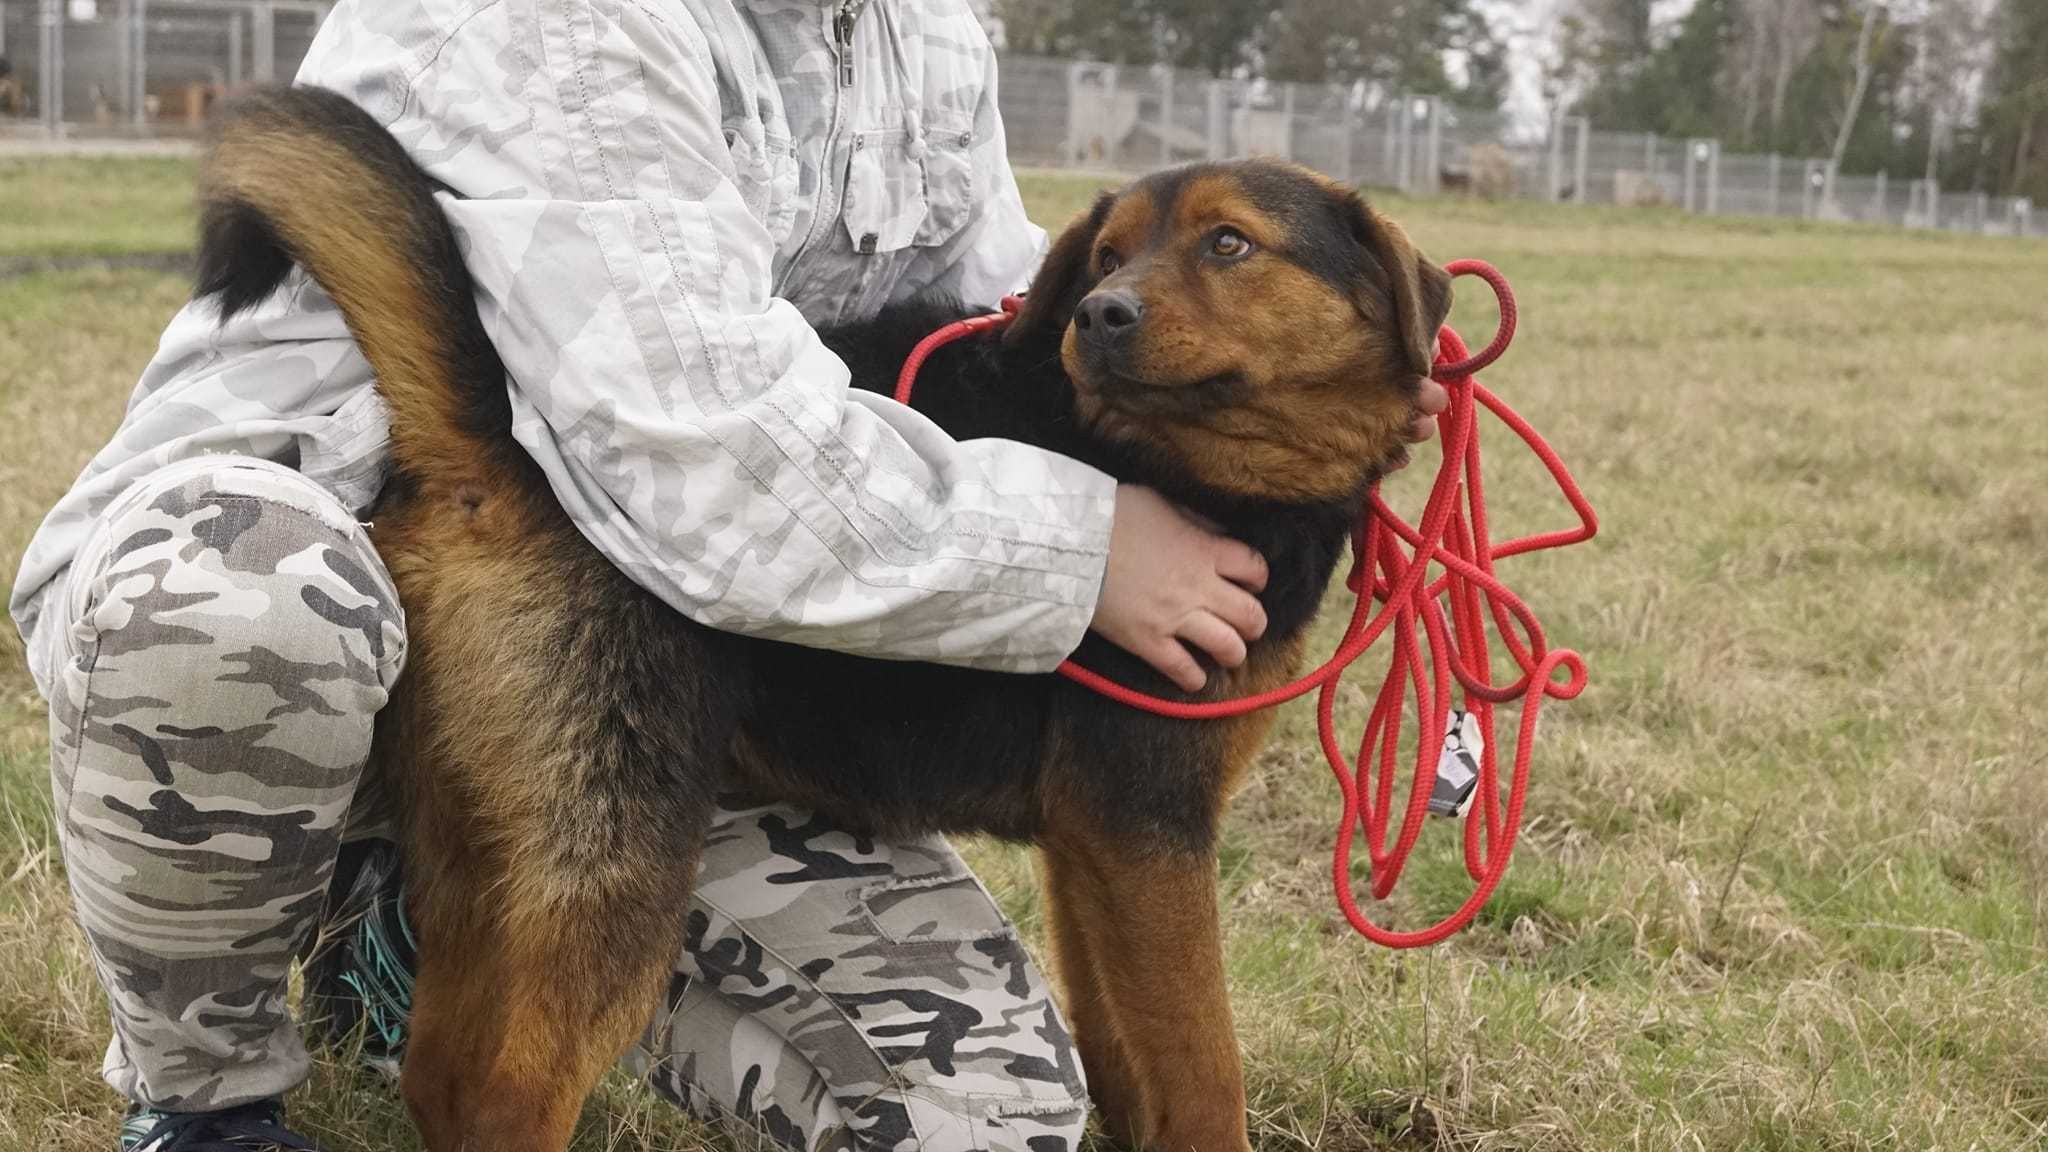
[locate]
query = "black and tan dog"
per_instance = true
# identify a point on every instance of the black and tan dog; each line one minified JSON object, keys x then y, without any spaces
{"x":1247,"y":338}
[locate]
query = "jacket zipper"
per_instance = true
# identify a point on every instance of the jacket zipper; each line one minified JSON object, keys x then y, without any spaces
{"x":842,"y":32}
{"x":842,"y":35}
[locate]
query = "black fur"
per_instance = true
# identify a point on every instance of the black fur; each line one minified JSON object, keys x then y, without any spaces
{"x":242,"y":260}
{"x":904,"y":746}
{"x":883,"y":746}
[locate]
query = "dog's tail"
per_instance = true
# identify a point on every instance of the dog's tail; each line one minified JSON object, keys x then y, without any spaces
{"x":302,"y":176}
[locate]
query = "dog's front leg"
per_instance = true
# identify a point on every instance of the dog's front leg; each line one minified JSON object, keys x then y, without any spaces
{"x":1138,"y":948}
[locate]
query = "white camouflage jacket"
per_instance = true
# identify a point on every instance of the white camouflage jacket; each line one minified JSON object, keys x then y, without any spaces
{"x":658,"y":200}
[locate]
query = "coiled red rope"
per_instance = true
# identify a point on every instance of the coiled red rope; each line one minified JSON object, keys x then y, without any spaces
{"x":1440,"y":629}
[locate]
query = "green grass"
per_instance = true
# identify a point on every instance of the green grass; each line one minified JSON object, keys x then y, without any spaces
{"x":53,"y":207}
{"x":1787,"y":860}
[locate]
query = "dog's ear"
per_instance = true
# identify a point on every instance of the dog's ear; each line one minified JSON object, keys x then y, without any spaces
{"x":1421,"y":290}
{"x":1064,"y":278}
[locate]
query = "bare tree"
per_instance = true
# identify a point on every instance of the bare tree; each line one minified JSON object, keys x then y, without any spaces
{"x":1752,"y":50}
{"x":1866,"y":37}
{"x":1794,"y":30}
{"x":1952,"y":49}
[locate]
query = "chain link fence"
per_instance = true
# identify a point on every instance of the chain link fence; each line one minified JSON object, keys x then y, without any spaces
{"x":155,"y":67}
{"x":146,"y":68}
{"x":1067,"y":114}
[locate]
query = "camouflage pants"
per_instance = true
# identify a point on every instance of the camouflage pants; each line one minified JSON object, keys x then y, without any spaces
{"x":229,"y":635}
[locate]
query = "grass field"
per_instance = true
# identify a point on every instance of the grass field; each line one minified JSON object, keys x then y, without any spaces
{"x":1786,"y":874}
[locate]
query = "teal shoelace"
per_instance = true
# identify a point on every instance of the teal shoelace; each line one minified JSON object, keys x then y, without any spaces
{"x":382,"y":973}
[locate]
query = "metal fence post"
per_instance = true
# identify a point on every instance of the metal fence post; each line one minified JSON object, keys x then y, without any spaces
{"x":1650,"y":155}
{"x":1165,"y":74}
{"x":1219,"y":120}
{"x":1713,"y":178}
{"x":235,"y":50}
{"x":50,"y":65}
{"x":1775,"y":178}
{"x":1390,"y":149}
{"x":124,"y":68}
{"x":1580,"y":167}
{"x":1556,"y":158}
{"x":1287,"y":118}
{"x":1810,"y":188}
{"x":1435,"y":172}
{"x":1983,"y":211}
{"x":1923,"y":204}
{"x":263,"y":31}
{"x":1404,"y":156}
{"x":1347,"y":130}
{"x":138,"y":80}
{"x":1112,"y":146}
{"x":1702,"y":167}
{"x":1074,"y":143}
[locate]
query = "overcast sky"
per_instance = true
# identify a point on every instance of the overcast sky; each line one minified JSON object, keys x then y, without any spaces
{"x":1529,"y":26}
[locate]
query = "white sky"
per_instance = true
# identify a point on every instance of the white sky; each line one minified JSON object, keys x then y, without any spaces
{"x":1529,"y":27}
{"x":1526,"y":25}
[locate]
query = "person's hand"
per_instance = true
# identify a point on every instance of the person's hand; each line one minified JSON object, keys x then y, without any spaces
{"x":1434,"y":400}
{"x":1169,"y":581}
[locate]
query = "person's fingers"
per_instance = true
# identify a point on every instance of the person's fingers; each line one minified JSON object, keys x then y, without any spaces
{"x":1433,"y":401}
{"x":1241,"y":610}
{"x":1173,"y":662}
{"x":1240,"y":564}
{"x":1209,"y":632}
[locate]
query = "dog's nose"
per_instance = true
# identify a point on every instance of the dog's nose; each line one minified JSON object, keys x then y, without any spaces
{"x":1105,"y":317}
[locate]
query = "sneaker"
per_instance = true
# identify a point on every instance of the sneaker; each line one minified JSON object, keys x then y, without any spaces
{"x":257,"y":1127}
{"x":362,"y":975}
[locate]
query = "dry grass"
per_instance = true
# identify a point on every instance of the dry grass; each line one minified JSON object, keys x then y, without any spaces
{"x":1788,"y":861}
{"x":110,"y":207}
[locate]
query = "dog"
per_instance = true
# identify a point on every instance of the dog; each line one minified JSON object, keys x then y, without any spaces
{"x":1249,"y":339}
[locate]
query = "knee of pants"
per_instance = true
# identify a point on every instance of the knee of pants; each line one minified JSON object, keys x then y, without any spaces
{"x":724,"y":1062}
{"x":876,"y":977}
{"x":238,"y":594}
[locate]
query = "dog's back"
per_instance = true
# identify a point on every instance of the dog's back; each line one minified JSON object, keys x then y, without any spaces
{"x":560,"y":733}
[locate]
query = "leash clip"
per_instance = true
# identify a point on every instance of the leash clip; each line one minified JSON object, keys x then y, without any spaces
{"x":1457,"y":767}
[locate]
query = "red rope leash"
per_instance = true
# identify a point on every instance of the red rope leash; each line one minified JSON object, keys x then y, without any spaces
{"x":1432,"y":651}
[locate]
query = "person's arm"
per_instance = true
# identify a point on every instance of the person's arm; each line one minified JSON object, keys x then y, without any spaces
{"x":692,"y":424}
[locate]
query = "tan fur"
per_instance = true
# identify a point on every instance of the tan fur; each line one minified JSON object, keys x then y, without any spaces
{"x":368,"y":274}
{"x":548,"y":857}
{"x":1137,"y":943}
{"x":1310,"y":424}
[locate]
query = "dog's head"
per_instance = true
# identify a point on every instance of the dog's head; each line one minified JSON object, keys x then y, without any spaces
{"x":1259,"y":325}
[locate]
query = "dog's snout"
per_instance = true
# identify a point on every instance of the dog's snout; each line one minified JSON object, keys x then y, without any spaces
{"x":1105,"y":317}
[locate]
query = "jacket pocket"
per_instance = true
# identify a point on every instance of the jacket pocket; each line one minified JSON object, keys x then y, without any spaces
{"x":948,"y":180}
{"x":885,"y":202}
{"x":765,"y":170}
{"x":909,"y":187}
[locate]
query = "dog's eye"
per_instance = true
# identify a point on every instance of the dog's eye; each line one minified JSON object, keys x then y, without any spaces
{"x":1230,"y":244}
{"x":1108,"y":260}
